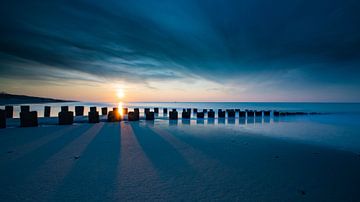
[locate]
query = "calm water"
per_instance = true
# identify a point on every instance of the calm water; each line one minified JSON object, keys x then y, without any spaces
{"x":339,"y":127}
{"x":303,"y":107}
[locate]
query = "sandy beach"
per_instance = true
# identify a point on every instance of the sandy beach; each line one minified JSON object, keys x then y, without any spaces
{"x":161,"y":161}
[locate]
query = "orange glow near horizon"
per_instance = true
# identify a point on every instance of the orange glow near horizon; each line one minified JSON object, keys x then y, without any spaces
{"x":120,"y":106}
{"x":120,"y":93}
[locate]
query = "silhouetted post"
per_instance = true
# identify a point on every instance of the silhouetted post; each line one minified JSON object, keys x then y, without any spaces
{"x":114,"y":115}
{"x":195,"y":110}
{"x":132,"y":116}
{"x":200,"y":115}
{"x":258,"y":113}
{"x":173,"y":115}
{"x":266,"y":113}
{"x":47,"y":111}
{"x":24,"y":108}
{"x":104,"y":111}
{"x":221,"y":113}
{"x":137,"y":111}
{"x":231,"y":113}
{"x":188,"y":110}
{"x":211,"y":114}
{"x":146,"y":110}
{"x":65,"y":116}
{"x":165,"y":111}
{"x":150,"y":116}
{"x":79,"y":110}
{"x":2,"y":118}
{"x":185,"y":114}
{"x":93,"y":115}
{"x":64,"y":108}
{"x":242,"y":114}
{"x":125,"y":111}
{"x":250,"y":113}
{"x":28,"y":119}
{"x":204,"y":111}
{"x":9,"y":111}
{"x":156,"y":110}
{"x":276,"y":113}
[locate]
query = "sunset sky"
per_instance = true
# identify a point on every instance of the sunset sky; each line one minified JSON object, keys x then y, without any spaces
{"x":182,"y":50}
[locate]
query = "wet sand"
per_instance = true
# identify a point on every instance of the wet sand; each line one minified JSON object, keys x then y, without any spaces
{"x":169,"y":161}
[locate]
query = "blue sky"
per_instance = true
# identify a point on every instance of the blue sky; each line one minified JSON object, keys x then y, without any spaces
{"x":250,"y":50}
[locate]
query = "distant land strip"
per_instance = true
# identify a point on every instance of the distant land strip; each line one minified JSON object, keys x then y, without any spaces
{"x":6,"y":98}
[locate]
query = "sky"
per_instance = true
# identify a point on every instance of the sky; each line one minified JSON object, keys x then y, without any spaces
{"x":182,"y":50}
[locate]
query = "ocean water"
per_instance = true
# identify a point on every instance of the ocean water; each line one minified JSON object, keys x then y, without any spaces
{"x":338,"y":126}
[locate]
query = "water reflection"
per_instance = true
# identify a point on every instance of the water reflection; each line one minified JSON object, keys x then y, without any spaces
{"x":221,"y":120}
{"x":185,"y":121}
{"x":231,"y":120}
{"x":200,"y":121}
{"x":211,"y":121}
{"x":258,"y":119}
{"x":242,"y":121}
{"x":173,"y":122}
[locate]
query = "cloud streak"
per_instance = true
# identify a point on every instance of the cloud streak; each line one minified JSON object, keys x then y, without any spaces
{"x":228,"y":42}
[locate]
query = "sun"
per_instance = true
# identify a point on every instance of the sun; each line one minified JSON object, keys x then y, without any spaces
{"x":120,"y":93}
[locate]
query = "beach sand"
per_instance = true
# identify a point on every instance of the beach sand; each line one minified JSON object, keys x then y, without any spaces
{"x":162,"y":161}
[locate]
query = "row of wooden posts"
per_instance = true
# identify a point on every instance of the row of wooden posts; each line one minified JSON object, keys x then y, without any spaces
{"x":65,"y":117}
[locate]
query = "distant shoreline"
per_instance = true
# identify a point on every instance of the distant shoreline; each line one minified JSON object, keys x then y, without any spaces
{"x":8,"y":99}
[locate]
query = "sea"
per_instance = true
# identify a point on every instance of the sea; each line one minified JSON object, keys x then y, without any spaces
{"x":337,"y":125}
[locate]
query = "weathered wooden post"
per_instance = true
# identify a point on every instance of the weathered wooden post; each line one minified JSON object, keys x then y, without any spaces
{"x":258,"y":113}
{"x":204,"y":111}
{"x":104,"y":111}
{"x":2,"y":118}
{"x":165,"y":111}
{"x":9,"y":111}
{"x":242,"y":114}
{"x":276,"y":113}
{"x":133,"y":116}
{"x":93,"y":115}
{"x":137,"y":110}
{"x":200,"y":115}
{"x":64,"y":108}
{"x":114,"y":115}
{"x":173,"y":115}
{"x":27,"y":118}
{"x":267,"y":113}
{"x":79,"y":110}
{"x":185,"y":114}
{"x":150,"y":116}
{"x":221,"y":113}
{"x":146,"y":110}
{"x":125,"y":111}
{"x":250,"y":113}
{"x":47,"y":111}
{"x":156,"y":110}
{"x":231,"y":113}
{"x":211,"y":114}
{"x":195,"y":110}
{"x":65,"y":116}
{"x":24,"y":108}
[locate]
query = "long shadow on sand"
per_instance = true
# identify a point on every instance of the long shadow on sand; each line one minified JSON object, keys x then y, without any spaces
{"x":14,"y":173}
{"x":93,"y":177}
{"x":165,"y":158}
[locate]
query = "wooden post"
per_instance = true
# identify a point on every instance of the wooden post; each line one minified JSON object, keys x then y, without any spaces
{"x":2,"y":118}
{"x":79,"y":110}
{"x":9,"y":111}
{"x":47,"y":110}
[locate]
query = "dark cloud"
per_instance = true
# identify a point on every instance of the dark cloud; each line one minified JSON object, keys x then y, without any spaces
{"x":151,"y":40}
